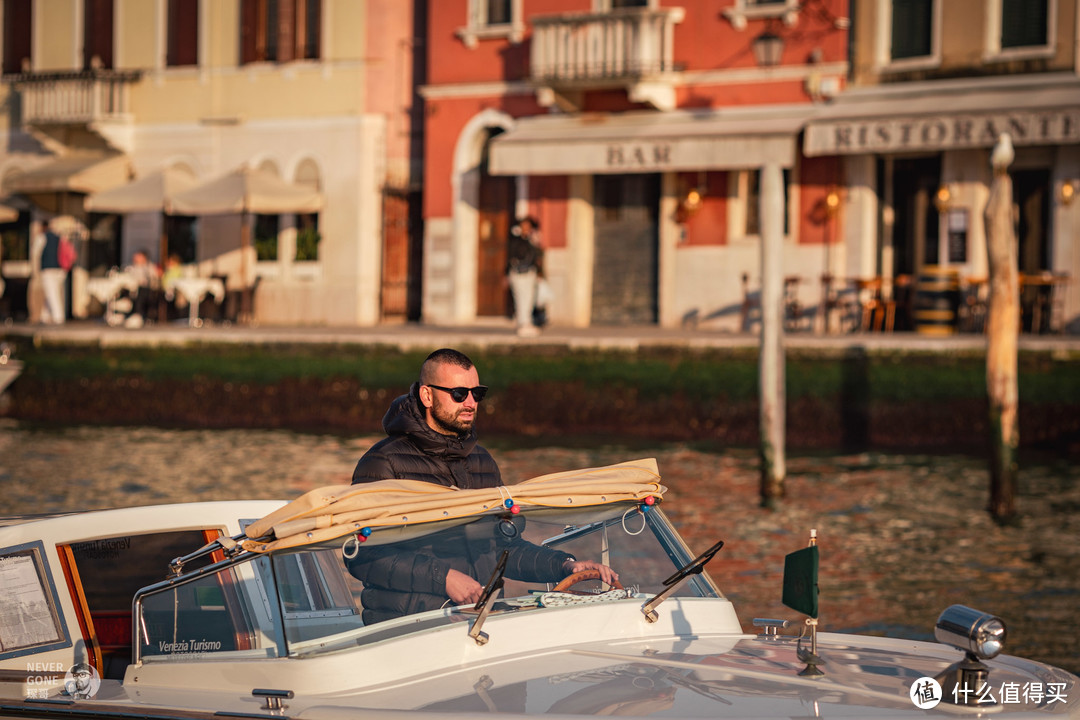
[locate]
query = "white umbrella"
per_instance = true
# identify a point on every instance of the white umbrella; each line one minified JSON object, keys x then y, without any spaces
{"x":150,"y":193}
{"x":147,"y":194}
{"x":246,"y":190}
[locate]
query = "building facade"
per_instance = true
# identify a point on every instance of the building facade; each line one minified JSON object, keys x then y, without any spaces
{"x":318,"y":93}
{"x":636,"y":132}
{"x":933,"y":86}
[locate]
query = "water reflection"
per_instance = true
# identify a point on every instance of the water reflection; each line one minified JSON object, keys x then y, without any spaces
{"x":901,"y":536}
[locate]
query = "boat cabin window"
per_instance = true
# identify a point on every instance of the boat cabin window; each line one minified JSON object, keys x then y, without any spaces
{"x":109,"y":572}
{"x":207,"y":615}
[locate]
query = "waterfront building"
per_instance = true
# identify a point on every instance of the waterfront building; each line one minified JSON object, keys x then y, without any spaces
{"x":932,"y":86}
{"x":317,"y":94}
{"x":635,"y":131}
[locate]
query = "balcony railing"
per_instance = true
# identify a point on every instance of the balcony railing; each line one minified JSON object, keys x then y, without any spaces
{"x":591,"y":49}
{"x":49,"y":98}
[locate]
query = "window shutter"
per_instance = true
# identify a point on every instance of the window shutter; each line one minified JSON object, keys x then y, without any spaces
{"x":249,"y":31}
{"x":98,"y":33}
{"x":912,"y":23}
{"x":309,"y":12}
{"x":285,"y":27}
{"x":183,"y":33}
{"x":1023,"y":23}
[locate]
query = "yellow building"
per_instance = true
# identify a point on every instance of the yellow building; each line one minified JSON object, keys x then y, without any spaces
{"x":317,"y":93}
{"x":934,"y":83}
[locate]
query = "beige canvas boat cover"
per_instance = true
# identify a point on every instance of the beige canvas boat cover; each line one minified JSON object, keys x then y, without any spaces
{"x":332,"y":512}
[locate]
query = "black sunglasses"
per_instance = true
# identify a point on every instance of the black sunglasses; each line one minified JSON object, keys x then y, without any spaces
{"x":458,"y":394}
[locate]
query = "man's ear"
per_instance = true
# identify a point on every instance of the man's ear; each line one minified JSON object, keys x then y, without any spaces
{"x":425,"y":396}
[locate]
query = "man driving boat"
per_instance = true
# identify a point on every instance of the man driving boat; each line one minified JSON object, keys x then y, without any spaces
{"x":431,"y":437}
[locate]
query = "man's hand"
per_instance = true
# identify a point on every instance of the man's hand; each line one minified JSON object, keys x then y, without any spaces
{"x":606,"y":574}
{"x":461,"y":588}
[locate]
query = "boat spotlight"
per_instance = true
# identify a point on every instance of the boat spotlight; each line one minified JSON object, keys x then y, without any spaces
{"x":973,"y":631}
{"x":981,"y":636}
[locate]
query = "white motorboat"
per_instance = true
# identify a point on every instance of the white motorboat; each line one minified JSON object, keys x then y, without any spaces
{"x":264,"y":616}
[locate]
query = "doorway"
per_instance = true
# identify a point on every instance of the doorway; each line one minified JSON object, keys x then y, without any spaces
{"x":626,"y":261}
{"x":1030,"y":193}
{"x":495,"y":204}
{"x":916,"y":232}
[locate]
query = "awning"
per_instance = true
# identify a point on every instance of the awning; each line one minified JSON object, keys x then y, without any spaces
{"x":147,"y":194}
{"x":948,"y":114}
{"x":81,"y":172}
{"x":246,"y":190}
{"x":646,"y":142}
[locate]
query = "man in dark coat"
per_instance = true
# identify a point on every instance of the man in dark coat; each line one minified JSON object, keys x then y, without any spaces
{"x":431,"y":437}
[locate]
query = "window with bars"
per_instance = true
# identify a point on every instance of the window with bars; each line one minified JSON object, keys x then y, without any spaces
{"x":279,"y":30}
{"x":912,"y":29}
{"x":1023,"y":23}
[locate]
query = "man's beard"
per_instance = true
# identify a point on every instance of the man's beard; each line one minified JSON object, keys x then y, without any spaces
{"x":449,"y":421}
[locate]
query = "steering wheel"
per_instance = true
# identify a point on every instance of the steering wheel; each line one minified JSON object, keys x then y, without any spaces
{"x":581,"y":576}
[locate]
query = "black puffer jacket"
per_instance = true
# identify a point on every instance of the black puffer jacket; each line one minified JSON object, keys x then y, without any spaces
{"x":411,"y":577}
{"x":413,"y":451}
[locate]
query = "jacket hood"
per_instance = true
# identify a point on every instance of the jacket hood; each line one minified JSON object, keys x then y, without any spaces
{"x":406,"y":417}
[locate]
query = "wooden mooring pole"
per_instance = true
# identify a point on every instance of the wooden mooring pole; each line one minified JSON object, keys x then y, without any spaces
{"x":771,"y":358}
{"x":1003,"y":330}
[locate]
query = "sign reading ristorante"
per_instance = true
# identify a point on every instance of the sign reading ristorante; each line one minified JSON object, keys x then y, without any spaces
{"x":942,"y":132}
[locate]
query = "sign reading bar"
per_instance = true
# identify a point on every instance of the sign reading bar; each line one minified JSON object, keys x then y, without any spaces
{"x":942,"y":132}
{"x":637,"y":156}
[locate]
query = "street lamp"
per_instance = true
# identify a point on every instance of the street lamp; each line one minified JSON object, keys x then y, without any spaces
{"x":767,"y":47}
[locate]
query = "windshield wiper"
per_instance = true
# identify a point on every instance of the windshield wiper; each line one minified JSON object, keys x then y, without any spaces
{"x":487,"y":599}
{"x":694,"y":567}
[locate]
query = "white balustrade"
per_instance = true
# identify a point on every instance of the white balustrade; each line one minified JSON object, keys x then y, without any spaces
{"x":589,"y":48}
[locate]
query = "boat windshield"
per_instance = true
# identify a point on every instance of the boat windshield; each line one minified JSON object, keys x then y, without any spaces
{"x":320,"y":598}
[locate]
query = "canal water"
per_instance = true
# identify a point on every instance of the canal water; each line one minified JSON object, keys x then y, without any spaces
{"x":901,"y":536}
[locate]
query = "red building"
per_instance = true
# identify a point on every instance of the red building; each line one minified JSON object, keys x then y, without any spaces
{"x":636,"y":132}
